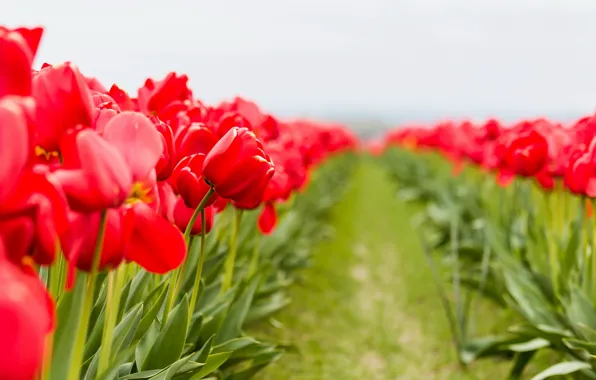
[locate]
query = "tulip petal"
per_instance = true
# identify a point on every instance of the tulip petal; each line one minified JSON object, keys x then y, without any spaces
{"x":138,"y":141}
{"x":14,"y":142}
{"x":155,"y":244}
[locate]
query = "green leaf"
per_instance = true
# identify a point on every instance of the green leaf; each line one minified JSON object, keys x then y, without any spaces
{"x":68,"y":313}
{"x":172,"y":370}
{"x":581,"y":314}
{"x":203,"y":353}
{"x":587,"y":348}
{"x":169,"y":345}
{"x":137,"y":288}
{"x":143,"y":374}
{"x":531,"y":345}
{"x":116,"y":364}
{"x":151,"y":315}
{"x":563,"y":368}
{"x":194,"y":332}
{"x":213,"y":362}
{"x":94,"y":338}
{"x":125,"y":330}
{"x":145,"y":344}
{"x":521,"y":361}
{"x":530,"y":299}
{"x":232,"y":325}
{"x":234,"y":345}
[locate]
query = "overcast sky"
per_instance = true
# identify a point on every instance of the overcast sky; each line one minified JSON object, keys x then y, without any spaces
{"x":366,"y":56}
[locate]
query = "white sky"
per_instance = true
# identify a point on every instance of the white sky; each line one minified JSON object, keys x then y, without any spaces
{"x":317,"y":55}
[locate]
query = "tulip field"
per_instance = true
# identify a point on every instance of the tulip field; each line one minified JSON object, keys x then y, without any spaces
{"x":146,"y":234}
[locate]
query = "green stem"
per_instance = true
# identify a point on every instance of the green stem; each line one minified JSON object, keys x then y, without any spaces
{"x":77,"y":354}
{"x":115,"y":280}
{"x":200,"y":263}
{"x":254,"y":262}
{"x":231,"y":259}
{"x":178,"y":274}
{"x":195,"y":215}
{"x":553,"y":254}
{"x":55,"y":275}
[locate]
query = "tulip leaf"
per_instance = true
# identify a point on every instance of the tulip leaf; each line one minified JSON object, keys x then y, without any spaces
{"x":172,"y":370}
{"x":232,"y":325}
{"x":213,"y":362}
{"x":94,"y":338}
{"x":563,"y":368}
{"x":531,"y":345}
{"x":138,"y":285}
{"x":169,"y":344}
{"x":194,"y":332}
{"x":151,"y":314}
{"x":233,"y":345}
{"x":143,"y":374}
{"x":145,"y":344}
{"x":69,"y":315}
{"x":203,"y":353}
{"x":126,"y":329}
{"x":581,"y":314}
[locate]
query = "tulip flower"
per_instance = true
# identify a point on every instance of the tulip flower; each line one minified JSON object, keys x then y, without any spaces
{"x":26,"y":318}
{"x":230,"y":120}
{"x":94,"y":175}
{"x":167,"y":161}
{"x":80,"y":240}
{"x":527,"y":154}
{"x":118,"y":171}
{"x":195,"y":139}
{"x":238,"y":168}
{"x":63,"y":102}
{"x":190,"y":184}
{"x":17,"y":51}
{"x":14,"y":144}
{"x":580,"y":176}
{"x":154,"y":96}
{"x":183,"y":215}
{"x":267,"y":219}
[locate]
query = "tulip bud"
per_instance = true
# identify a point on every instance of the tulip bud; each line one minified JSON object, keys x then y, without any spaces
{"x":238,"y":168}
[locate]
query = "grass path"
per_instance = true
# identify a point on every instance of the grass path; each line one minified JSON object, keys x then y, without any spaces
{"x":368,"y":308}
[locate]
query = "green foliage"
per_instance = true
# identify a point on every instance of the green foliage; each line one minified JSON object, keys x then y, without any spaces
{"x":540,"y":262}
{"x":153,"y":340}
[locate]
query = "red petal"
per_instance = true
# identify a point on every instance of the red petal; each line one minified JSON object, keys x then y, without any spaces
{"x":138,"y":141}
{"x":155,"y":244}
{"x":268,"y":219}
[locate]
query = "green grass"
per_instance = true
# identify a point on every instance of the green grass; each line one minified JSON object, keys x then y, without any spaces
{"x":368,"y":307}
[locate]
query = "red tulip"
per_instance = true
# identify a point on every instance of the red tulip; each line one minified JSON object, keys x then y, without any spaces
{"x":63,"y":102}
{"x":26,"y":318}
{"x":238,"y":168}
{"x":167,"y":161}
{"x":40,"y":207}
{"x":121,"y":98}
{"x":267,"y":219}
{"x":95,"y":175}
{"x":195,"y":139}
{"x":16,"y":56}
{"x":580,"y":176}
{"x":527,"y":154}
{"x":230,"y":120}
{"x":190,"y":184}
{"x":14,"y":145}
{"x":155,"y":244}
{"x":154,"y":96}
{"x":183,"y":214}
{"x":80,"y":240}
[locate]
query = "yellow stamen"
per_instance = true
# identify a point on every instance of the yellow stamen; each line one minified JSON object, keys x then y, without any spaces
{"x":139,"y":193}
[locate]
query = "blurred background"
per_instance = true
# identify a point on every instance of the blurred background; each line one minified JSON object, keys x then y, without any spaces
{"x":369,"y":63}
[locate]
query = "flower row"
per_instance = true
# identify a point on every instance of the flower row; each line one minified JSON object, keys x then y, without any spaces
{"x":95,"y":177}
